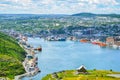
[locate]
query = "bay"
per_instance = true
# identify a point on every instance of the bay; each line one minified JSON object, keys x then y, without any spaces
{"x":65,"y":55}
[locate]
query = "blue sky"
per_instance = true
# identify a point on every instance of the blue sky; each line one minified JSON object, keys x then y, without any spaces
{"x":59,"y":6}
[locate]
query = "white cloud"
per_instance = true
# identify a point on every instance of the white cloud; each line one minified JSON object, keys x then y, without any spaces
{"x":60,"y":6}
{"x":3,"y":5}
{"x":47,"y":2}
{"x":104,"y":2}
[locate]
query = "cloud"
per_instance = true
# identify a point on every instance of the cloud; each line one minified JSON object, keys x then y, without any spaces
{"x":47,"y":2}
{"x":59,"y":6}
{"x":3,"y":5}
{"x":99,"y":2}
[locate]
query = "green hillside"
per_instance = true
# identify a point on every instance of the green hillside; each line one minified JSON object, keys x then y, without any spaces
{"x":92,"y":75}
{"x":11,"y":57}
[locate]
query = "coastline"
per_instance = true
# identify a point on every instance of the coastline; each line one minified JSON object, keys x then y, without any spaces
{"x":28,"y":73}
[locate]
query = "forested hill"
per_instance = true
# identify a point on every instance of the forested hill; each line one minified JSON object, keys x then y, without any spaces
{"x":93,"y":15}
{"x":11,"y":57}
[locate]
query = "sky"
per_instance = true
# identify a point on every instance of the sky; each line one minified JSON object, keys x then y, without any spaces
{"x":59,"y":6}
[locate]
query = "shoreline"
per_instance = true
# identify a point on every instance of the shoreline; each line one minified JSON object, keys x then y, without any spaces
{"x":27,"y":66}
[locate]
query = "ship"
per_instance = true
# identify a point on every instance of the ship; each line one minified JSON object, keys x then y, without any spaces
{"x":84,"y":40}
{"x":101,"y":44}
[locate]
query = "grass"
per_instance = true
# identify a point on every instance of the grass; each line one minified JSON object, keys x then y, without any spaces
{"x":11,"y":57}
{"x":93,"y":75}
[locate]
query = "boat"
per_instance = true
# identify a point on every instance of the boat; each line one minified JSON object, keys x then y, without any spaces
{"x":115,"y":46}
{"x":83,"y":40}
{"x":101,"y":44}
{"x":51,"y":38}
{"x":55,"y":39}
{"x":72,"y":38}
{"x":96,"y":42}
{"x":37,"y":69}
{"x":24,"y":38}
{"x":118,"y":47}
{"x":29,"y":57}
{"x":38,"y":49}
{"x":61,"y":39}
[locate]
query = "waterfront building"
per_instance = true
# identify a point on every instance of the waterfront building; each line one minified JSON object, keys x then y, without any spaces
{"x":113,"y":41}
{"x":110,"y":41}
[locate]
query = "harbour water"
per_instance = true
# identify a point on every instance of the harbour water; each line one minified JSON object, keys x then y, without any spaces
{"x":57,"y":56}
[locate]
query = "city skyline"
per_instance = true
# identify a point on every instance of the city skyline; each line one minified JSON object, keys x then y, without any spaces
{"x":59,"y":6}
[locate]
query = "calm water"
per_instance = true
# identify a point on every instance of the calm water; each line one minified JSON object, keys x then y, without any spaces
{"x":57,"y":56}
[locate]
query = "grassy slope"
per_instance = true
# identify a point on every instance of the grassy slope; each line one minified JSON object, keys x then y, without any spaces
{"x":93,"y":75}
{"x":11,"y":56}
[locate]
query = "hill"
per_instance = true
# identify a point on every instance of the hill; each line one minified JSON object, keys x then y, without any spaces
{"x":84,"y":14}
{"x":93,"y":15}
{"x":92,"y":75}
{"x":11,"y":57}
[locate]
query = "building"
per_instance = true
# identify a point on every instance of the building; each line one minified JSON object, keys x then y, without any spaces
{"x":81,"y":70}
{"x":110,"y":40}
{"x":113,"y":42}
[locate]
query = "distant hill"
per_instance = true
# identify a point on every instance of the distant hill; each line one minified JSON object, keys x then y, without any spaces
{"x":11,"y":57}
{"x":110,"y":15}
{"x":85,"y":14}
{"x":29,"y":16}
{"x":93,"y":15}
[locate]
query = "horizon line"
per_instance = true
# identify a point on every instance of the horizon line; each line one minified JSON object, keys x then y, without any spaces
{"x":55,"y":13}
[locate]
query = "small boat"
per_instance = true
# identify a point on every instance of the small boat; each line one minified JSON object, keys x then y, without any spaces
{"x":93,"y":42}
{"x":51,"y":38}
{"x":38,"y":49}
{"x":118,"y":47}
{"x":115,"y":47}
{"x":24,"y":38}
{"x":96,"y":42}
{"x":56,"y":39}
{"x":61,"y":39}
{"x":37,"y":69}
{"x":29,"y":57}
